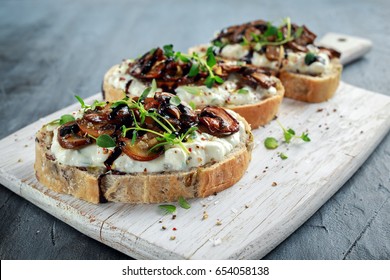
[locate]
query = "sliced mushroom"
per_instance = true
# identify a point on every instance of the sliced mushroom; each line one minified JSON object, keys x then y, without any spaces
{"x":95,"y":129}
{"x":331,"y":53}
{"x":263,"y":79}
{"x":69,"y":137}
{"x":142,"y":148}
{"x":273,"y":53}
{"x":217,"y":121}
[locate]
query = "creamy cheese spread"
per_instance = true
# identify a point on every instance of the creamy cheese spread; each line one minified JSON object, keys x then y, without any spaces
{"x":295,"y":61}
{"x":221,"y":95}
{"x":204,"y":148}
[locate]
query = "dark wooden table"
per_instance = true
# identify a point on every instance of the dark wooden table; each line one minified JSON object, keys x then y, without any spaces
{"x":50,"y":50}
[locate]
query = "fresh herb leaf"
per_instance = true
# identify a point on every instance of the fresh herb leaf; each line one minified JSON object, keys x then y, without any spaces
{"x":273,"y":36}
{"x":291,"y":131}
{"x":105,"y":141}
{"x":298,"y":32}
{"x":97,"y":103}
{"x":66,"y":118}
{"x":218,"y":79}
{"x":211,"y":61}
{"x":271,"y":30}
{"x":148,"y":90}
{"x":192,"y":105}
{"x":117,"y":103}
{"x":242,"y":91}
{"x":290,"y":134}
{"x":175,"y":100}
{"x":192,"y":90}
{"x":218,"y":44}
{"x":209,"y":82}
{"x":183,"y":203}
{"x":134,"y":137}
{"x":144,"y":94}
{"x":271,"y":143}
{"x":182,"y":57}
{"x":168,"y":208}
{"x":154,"y":86}
{"x":287,"y":136}
{"x":194,"y":70}
{"x":245,"y":42}
{"x":168,"y":50}
{"x":283,"y":156}
{"x":310,"y":58}
{"x":79,"y":99}
{"x":305,"y":137}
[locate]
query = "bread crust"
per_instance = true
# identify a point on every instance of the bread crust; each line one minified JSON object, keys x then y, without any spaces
{"x":303,"y":87}
{"x":111,"y":93}
{"x":313,"y":89}
{"x":257,"y":114}
{"x":261,"y":113}
{"x":96,"y":185}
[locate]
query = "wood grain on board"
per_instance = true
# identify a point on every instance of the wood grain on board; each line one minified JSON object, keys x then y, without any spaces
{"x":248,"y":220}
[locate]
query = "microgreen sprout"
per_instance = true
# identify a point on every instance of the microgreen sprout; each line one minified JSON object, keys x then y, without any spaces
{"x":62,"y":120}
{"x":169,"y":135}
{"x":168,"y":208}
{"x":95,"y":104}
{"x":183,"y":203}
{"x":289,"y":134}
{"x":257,"y":41}
{"x":203,"y":63}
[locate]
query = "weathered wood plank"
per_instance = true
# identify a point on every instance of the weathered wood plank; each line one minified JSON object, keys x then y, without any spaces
{"x":255,"y":216}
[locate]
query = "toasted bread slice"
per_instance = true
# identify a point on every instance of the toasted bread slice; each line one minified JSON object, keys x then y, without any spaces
{"x":99,"y":185}
{"x":256,"y":114}
{"x":303,"y":87}
{"x":309,"y":88}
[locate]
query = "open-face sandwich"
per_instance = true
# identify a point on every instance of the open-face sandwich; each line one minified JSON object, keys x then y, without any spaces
{"x":143,"y":150}
{"x":199,"y":80}
{"x":308,"y":72}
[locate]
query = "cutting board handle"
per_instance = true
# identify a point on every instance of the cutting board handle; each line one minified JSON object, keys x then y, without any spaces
{"x":350,"y":47}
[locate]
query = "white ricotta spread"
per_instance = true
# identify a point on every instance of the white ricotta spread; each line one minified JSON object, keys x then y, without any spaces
{"x":295,"y":61}
{"x":225,"y":95}
{"x":204,"y":148}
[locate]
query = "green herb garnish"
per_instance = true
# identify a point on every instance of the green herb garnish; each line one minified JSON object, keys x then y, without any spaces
{"x":192,"y":105}
{"x":289,"y":134}
{"x":95,"y":104}
{"x":62,"y":120}
{"x":66,"y":118}
{"x":105,"y":141}
{"x":283,"y":156}
{"x":175,"y":100}
{"x":243,"y":91}
{"x":168,"y":208}
{"x":168,"y":50}
{"x":192,"y":90}
{"x":199,"y":63}
{"x":310,"y":58}
{"x":167,"y":137}
{"x":183,"y":203}
{"x":257,"y":41}
{"x":271,"y":143}
{"x":148,"y":91}
{"x":82,"y":103}
{"x":194,"y":70}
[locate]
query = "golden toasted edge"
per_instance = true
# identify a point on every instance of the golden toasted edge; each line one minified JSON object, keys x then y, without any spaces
{"x":60,"y":178}
{"x":111,"y":93}
{"x":312,"y":89}
{"x":261,"y":113}
{"x":93,"y":186}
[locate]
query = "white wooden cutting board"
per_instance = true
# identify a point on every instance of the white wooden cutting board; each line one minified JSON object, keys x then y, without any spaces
{"x":254,"y":216}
